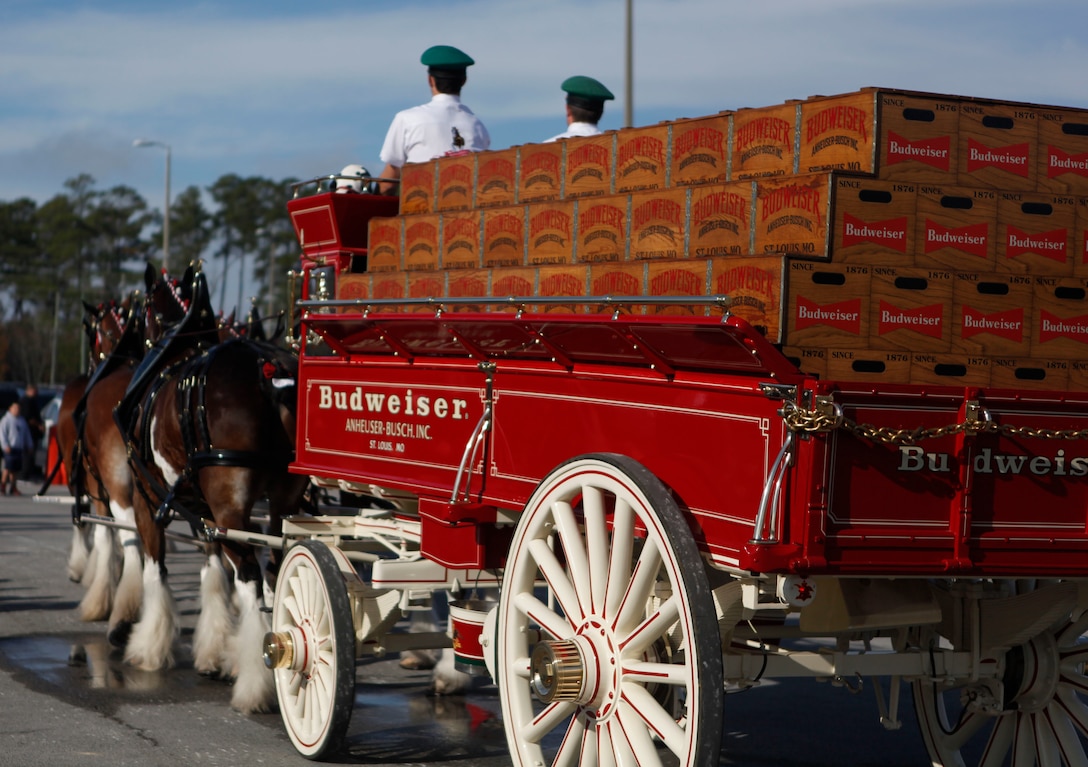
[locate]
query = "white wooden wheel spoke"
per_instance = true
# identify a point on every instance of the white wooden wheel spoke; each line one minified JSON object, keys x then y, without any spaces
{"x":614,"y":552}
{"x":1066,"y":735}
{"x":1075,"y":708}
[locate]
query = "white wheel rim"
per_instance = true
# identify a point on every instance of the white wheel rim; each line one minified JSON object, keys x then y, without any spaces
{"x":618,"y":613}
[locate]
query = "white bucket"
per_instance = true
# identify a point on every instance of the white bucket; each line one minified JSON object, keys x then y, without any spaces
{"x":467,"y":618}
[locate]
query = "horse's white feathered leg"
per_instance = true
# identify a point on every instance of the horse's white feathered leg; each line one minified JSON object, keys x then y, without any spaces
{"x":254,"y":686}
{"x":77,"y":554}
{"x":216,"y":620}
{"x":151,"y":646}
{"x":98,"y":600}
{"x":129,"y":595}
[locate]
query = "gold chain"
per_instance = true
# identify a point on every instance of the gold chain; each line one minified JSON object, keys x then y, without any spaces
{"x":825,"y":420}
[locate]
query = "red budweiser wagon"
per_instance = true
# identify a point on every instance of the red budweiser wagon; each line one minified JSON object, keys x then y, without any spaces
{"x":641,"y":502}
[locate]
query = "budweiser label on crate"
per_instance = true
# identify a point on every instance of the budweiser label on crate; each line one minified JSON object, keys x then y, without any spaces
{"x":1063,"y":150}
{"x":838,"y":133}
{"x":997,"y":145}
{"x":383,"y":238}
{"x":618,"y":279}
{"x":461,"y":240}
{"x":588,"y":165}
{"x":956,"y":228}
{"x":1035,"y":233}
{"x":1029,"y":373}
{"x":496,"y":178}
{"x":754,"y":286}
{"x":513,"y":282}
{"x":991,"y":313}
{"x":468,"y":283}
{"x":1059,"y":318}
{"x":809,"y":360}
{"x":699,"y":150}
{"x":657,"y":224}
{"x":792,"y":215}
{"x":950,"y":369}
{"x":677,"y":278}
{"x":504,"y":236}
{"x":1080,"y":239}
{"x":551,"y":232}
{"x":642,"y":158}
{"x":389,"y":285}
{"x":540,"y":172}
{"x":426,"y":285}
{"x":421,"y":242}
{"x":828,"y":304}
{"x":602,"y":229}
{"x":567,"y":280}
{"x":417,"y":188}
{"x":870,"y":365}
{"x":721,"y":220}
{"x":352,"y":287}
{"x":764,"y":142}
{"x":911,"y":309}
{"x":456,"y":182}
{"x":918,"y":135}
{"x":874,"y":221}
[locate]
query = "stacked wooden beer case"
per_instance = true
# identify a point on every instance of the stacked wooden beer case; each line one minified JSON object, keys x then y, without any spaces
{"x":882,"y":235}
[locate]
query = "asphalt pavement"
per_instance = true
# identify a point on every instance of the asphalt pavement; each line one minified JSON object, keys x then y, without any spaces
{"x":66,"y":697}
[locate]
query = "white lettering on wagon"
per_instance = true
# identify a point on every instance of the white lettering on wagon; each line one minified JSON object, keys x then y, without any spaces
{"x":407,"y":404}
{"x":986,"y":461}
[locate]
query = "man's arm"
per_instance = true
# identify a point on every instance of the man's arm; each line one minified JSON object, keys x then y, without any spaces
{"x":390,"y":172}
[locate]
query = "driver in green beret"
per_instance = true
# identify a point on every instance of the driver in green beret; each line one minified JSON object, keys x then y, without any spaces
{"x":440,"y":127}
{"x":585,"y":105}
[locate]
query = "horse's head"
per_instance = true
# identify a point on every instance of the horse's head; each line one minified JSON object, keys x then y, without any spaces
{"x":167,"y":301}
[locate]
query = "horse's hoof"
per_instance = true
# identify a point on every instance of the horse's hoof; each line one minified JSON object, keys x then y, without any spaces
{"x":119,"y":634}
{"x":416,"y":663}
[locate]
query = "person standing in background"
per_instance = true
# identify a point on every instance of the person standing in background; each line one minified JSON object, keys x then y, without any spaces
{"x":15,"y":442}
{"x":32,"y":414}
{"x":585,"y":106}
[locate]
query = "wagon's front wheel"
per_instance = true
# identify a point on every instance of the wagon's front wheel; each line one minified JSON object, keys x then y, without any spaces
{"x":608,"y":649}
{"x":312,"y":649}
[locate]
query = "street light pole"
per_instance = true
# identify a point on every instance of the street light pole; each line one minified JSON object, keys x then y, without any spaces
{"x":141,"y":142}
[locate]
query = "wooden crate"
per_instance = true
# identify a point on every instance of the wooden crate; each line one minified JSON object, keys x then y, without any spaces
{"x":699,"y":150}
{"x":809,"y":360}
{"x":456,"y":177}
{"x":514,"y":282}
{"x":997,"y":145}
{"x":1062,"y":157}
{"x":918,"y":134}
{"x":1029,"y":373}
{"x":425,"y":285}
{"x":618,"y":279}
{"x":587,"y":165}
{"x":1035,"y":233}
{"x":417,"y":188}
{"x":384,"y":236}
{"x":461,"y":245}
{"x":950,"y":369}
{"x":353,"y":287}
{"x":602,"y":229}
{"x":540,"y":172}
{"x":828,"y":305}
{"x":1077,"y":375}
{"x":467,"y":283}
{"x":1059,"y":318}
{"x":657,"y":224}
{"x":504,"y":236}
{"x":566,"y":280}
{"x":793,"y":215}
{"x":421,"y":242}
{"x":720,"y":223}
{"x":869,"y":365}
{"x":551,"y":232}
{"x":838,"y":133}
{"x":755,"y":286}
{"x":991,"y":313}
{"x":642,"y":158}
{"x":874,"y":221}
{"x":388,"y":285}
{"x":497,"y":178}
{"x":956,"y":228}
{"x":677,"y":277}
{"x":764,"y":142}
{"x":1080,"y":239}
{"x":911,"y":309}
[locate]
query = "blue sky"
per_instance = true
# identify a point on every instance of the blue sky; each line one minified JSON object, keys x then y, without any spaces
{"x":281,"y":89}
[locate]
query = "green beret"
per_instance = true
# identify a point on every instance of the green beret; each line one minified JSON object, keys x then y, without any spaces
{"x":586,"y":88}
{"x":445,"y":57}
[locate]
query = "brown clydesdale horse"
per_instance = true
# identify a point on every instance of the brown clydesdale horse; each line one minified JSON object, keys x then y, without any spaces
{"x":210,"y":430}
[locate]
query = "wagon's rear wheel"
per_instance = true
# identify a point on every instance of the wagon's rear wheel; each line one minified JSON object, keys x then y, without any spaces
{"x":608,"y":647}
{"x":312,"y":649}
{"x":1044,"y":720}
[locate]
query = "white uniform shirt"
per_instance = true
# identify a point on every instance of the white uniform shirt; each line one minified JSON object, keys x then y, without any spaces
{"x":425,"y":132}
{"x":576,"y":129}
